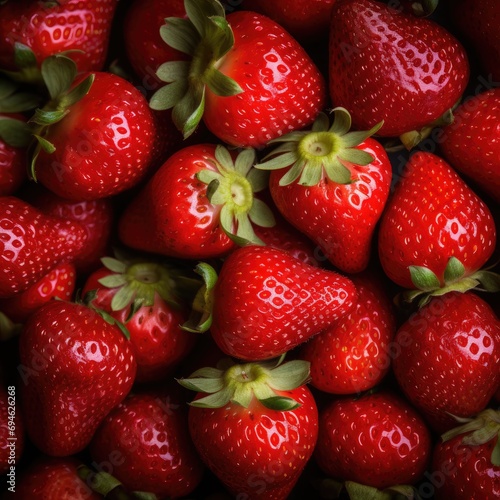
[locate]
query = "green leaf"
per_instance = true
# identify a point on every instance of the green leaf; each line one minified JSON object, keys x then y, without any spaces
{"x":293,"y":173}
{"x":102,"y":482}
{"x":489,"y":281}
{"x":143,"y":495}
{"x":122,"y":298}
{"x":46,"y":117}
{"x":115,"y":265}
{"x":495,"y":454}
{"x":187,"y":113}
{"x":168,"y":96}
{"x":14,"y":132}
{"x":224,"y":158}
{"x":220,"y":84}
{"x":261,"y":214}
{"x":7,"y":87}
{"x":454,"y":270}
{"x":199,"y":12}
{"x":78,"y":93}
{"x":207,"y":385}
{"x":24,"y":57}
{"x":221,"y":36}
{"x":245,"y":233}
{"x":321,"y":124}
{"x":358,"y":491}
{"x":216,"y":400}
{"x":213,"y":194}
{"x":173,"y":70}
{"x":209,"y":372}
{"x":58,"y":73}
{"x":227,"y":219}
{"x":311,"y":175}
{"x":244,"y":161}
{"x":337,"y":172}
{"x":19,"y":102}
{"x":341,"y":121}
{"x":180,"y":34}
{"x":424,"y":279}
{"x":356,"y":156}
{"x":207,"y":176}
{"x":290,"y":375}
{"x":113,"y":281}
{"x":278,"y":162}
{"x":258,"y":179}
{"x":47,"y":146}
{"x":280,"y":403}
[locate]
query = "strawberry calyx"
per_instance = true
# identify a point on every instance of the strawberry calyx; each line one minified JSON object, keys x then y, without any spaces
{"x":14,"y":132}
{"x":242,"y":383}
{"x":27,"y":66}
{"x":455,"y":279}
{"x":321,"y":151}
{"x":233,"y":186}
{"x":207,"y":37}
{"x":8,"y":329}
{"x":13,"y":99}
{"x":424,"y":8}
{"x":357,"y":491}
{"x":479,"y":430}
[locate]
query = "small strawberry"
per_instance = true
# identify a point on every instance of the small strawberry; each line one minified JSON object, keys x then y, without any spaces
{"x":448,"y":360}
{"x":435,"y":233}
{"x":75,"y":368}
{"x":257,"y":427}
{"x":265,"y":302}
{"x":32,"y":243}
{"x":472,"y":142}
{"x":334,"y":187}
{"x":11,"y":431}
{"x":376,"y":440}
{"x":196,"y":204}
{"x":149,"y":432}
{"x":352,"y":355}
{"x":247,"y":77}
{"x":386,"y":64}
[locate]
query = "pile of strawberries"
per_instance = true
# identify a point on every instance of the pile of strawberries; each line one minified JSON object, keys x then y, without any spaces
{"x":247,"y":249}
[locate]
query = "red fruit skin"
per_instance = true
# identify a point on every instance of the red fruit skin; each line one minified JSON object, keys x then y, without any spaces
{"x":471,"y":144}
{"x":53,"y":479}
{"x":58,"y":283}
{"x":461,"y":471}
{"x":75,"y":369}
{"x":266,"y":302}
{"x":31,"y":243}
{"x":377,"y":440}
{"x":103,"y":146}
{"x":74,"y":25}
{"x":341,"y":219}
{"x":172,"y":215}
{"x":158,"y":342}
{"x":272,"y":446}
{"x":11,"y":430}
{"x":352,"y":355}
{"x":389,"y":65}
{"x":282,"y":88}
{"x":12,"y":164}
{"x":448,"y":358}
{"x":431,"y":216}
{"x":149,"y":433}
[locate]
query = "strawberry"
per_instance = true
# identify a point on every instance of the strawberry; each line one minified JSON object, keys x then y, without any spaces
{"x":196,"y":204}
{"x":472,"y":142}
{"x":352,"y":355}
{"x":142,"y":295}
{"x":48,"y":28}
{"x":449,"y":357}
{"x":11,"y":432}
{"x":466,"y":463}
{"x":376,"y":440}
{"x":386,"y":64}
{"x":435,"y":233}
{"x":58,"y":283}
{"x":93,"y":139}
{"x":247,"y":77}
{"x":266,"y":302}
{"x":32,"y":243}
{"x":257,"y":427}
{"x":148,"y":434}
{"x":334,"y":187}
{"x":75,"y":367}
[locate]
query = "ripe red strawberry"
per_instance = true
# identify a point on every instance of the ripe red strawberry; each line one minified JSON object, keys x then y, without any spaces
{"x":448,"y":360}
{"x":472,"y":142}
{"x":48,"y":28}
{"x":466,"y":463}
{"x":247,"y":78}
{"x":102,"y":140}
{"x":59,"y":283}
{"x":52,"y":479}
{"x":376,"y":440}
{"x":32,"y":243}
{"x":11,"y":432}
{"x":75,"y":368}
{"x":435,"y":231}
{"x":266,"y":302}
{"x":196,"y":204}
{"x":352,"y":355}
{"x":389,"y":65}
{"x":149,"y":432}
{"x":257,"y":427}
{"x":142,"y":295}
{"x":334,"y":188}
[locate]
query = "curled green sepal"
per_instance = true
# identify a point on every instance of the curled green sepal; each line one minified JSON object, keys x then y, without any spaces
{"x":455,"y":279}
{"x":309,"y":155}
{"x":357,"y":491}
{"x":101,"y":482}
{"x":479,"y":430}
{"x":424,"y":8}
{"x":206,"y":37}
{"x":240,"y":384}
{"x":232,"y":186}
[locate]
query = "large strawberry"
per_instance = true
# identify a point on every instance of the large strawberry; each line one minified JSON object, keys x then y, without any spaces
{"x":448,"y":358}
{"x":149,"y":432}
{"x":254,"y":425}
{"x":334,"y":187}
{"x":32,"y":243}
{"x":435,"y":232}
{"x":472,"y":142}
{"x":376,"y":440}
{"x":248,"y":78}
{"x":266,"y":302}
{"x":389,"y":65}
{"x":75,"y":368}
